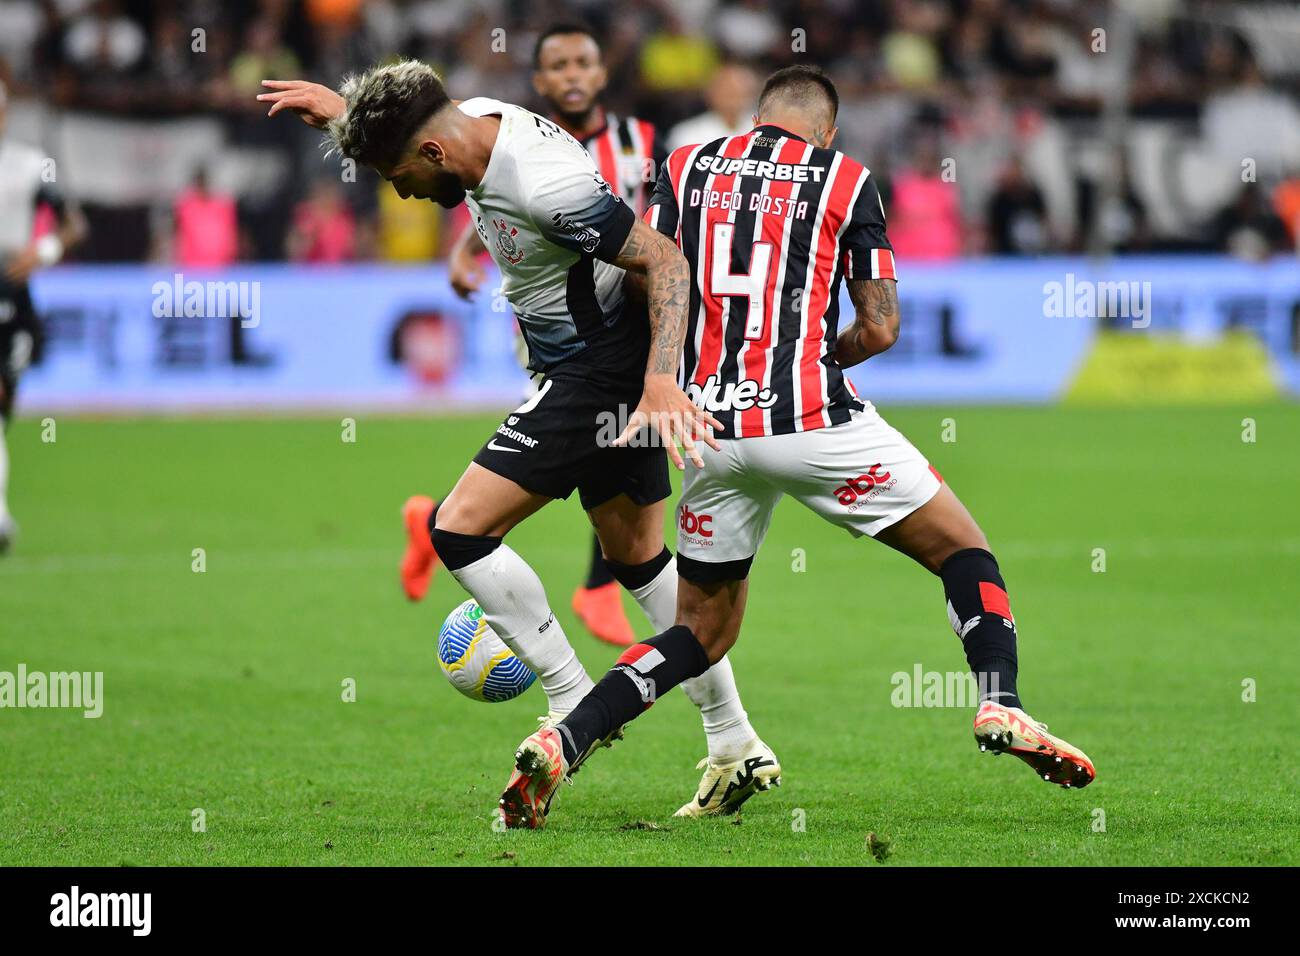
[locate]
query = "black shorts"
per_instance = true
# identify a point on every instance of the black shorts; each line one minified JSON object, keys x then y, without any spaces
{"x":559,"y":440}
{"x":17,"y":315}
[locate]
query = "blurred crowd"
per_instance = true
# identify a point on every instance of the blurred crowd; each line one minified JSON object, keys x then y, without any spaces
{"x":988,"y":123}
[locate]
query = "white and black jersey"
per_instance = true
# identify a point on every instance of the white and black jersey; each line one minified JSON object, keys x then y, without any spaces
{"x":553,"y":226}
{"x":23,"y":187}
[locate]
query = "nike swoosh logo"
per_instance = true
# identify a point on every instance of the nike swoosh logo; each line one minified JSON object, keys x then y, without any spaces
{"x":495,"y":447}
{"x":704,"y":800}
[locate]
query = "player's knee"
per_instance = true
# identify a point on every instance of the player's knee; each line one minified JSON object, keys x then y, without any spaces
{"x":630,"y":533}
{"x":972,"y":540}
{"x":460,"y":514}
{"x":633,"y":550}
{"x":448,"y":515}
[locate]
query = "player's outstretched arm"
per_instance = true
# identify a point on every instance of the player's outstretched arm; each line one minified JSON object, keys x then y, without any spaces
{"x":875,"y":328}
{"x":664,"y":406}
{"x":315,"y":104}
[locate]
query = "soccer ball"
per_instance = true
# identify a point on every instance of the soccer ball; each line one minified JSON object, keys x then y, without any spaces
{"x":476,"y":661}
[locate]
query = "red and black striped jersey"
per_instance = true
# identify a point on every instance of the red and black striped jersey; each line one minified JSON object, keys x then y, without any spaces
{"x":771,"y":225}
{"x":628,"y":154}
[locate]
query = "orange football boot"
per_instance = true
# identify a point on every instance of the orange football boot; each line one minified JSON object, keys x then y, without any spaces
{"x":539,"y":769}
{"x":1002,"y":729}
{"x":601,"y":610}
{"x":420,"y":560}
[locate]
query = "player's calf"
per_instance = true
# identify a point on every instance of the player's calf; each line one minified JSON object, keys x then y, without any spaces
{"x":980,"y":613}
{"x":515,"y":606}
{"x":643,"y":673}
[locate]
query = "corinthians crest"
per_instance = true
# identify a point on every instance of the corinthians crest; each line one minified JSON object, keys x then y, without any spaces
{"x":510,"y":249}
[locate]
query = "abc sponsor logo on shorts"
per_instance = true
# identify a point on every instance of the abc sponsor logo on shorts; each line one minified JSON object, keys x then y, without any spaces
{"x":856,"y":492}
{"x":922,"y":688}
{"x":697,"y":528}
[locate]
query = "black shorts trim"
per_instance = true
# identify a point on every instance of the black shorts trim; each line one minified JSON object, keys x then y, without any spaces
{"x":534,"y":484}
{"x":651,"y":486}
{"x":710,"y":572}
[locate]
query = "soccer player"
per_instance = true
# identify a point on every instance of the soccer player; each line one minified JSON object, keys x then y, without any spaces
{"x":772,"y":222}
{"x":569,"y":75}
{"x":562,"y":240}
{"x":25,"y":185}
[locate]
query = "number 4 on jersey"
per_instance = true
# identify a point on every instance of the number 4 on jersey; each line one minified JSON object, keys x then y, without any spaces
{"x":752,"y":285}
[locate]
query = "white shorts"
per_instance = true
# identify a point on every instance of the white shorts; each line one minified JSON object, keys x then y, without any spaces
{"x":862,"y":475}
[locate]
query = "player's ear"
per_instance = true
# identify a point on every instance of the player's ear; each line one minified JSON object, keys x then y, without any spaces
{"x":602,"y":78}
{"x":830,"y":137}
{"x":537,"y":83}
{"x":431,"y":150}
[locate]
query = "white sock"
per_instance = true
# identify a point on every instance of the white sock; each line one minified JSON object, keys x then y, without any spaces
{"x":4,"y":473}
{"x":515,"y":606}
{"x":658,"y":599}
{"x":726,"y":725}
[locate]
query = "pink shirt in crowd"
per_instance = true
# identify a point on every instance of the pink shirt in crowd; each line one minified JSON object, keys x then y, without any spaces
{"x":924,"y":217}
{"x":207,"y":229}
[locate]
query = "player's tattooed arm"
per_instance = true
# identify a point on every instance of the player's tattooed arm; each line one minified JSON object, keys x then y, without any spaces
{"x":664,"y":407}
{"x":667,"y":290}
{"x":876,"y":327}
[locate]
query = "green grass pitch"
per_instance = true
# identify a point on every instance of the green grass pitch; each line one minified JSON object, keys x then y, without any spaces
{"x":224,"y":688}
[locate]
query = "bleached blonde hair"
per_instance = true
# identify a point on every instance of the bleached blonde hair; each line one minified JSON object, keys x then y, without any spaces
{"x":385,"y":105}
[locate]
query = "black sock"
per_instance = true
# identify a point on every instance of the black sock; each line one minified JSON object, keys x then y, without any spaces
{"x":457,"y":550}
{"x":980,"y":612}
{"x":642,"y":673}
{"x":633,"y":576}
{"x":598,"y":574}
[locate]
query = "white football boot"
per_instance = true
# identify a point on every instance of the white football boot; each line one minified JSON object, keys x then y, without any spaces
{"x":726,"y":786}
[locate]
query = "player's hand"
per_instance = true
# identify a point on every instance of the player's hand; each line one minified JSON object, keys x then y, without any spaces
{"x":20,"y":267}
{"x":666,"y":409}
{"x":467,"y":274}
{"x":315,"y":104}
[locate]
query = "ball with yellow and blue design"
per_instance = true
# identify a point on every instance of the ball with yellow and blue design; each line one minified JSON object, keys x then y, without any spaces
{"x":476,"y":661}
